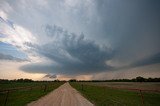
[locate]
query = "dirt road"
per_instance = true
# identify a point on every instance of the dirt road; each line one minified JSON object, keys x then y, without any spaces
{"x":65,"y":95}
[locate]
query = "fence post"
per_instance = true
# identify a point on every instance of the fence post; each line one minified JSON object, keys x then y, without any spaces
{"x":42,"y":87}
{"x":82,"y":87}
{"x":142,"y":99}
{"x":104,"y":90}
{"x":31,"y":89}
{"x":6,"y":98}
{"x":45,"y":87}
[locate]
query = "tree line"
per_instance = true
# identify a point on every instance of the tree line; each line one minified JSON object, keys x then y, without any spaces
{"x":24,"y":80}
{"x":137,"y":79}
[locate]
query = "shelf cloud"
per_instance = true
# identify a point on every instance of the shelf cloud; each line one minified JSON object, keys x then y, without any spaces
{"x":71,"y":53}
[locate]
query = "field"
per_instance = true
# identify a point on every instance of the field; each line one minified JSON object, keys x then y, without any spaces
{"x":115,"y":93}
{"x":21,"y":93}
{"x":128,"y":85}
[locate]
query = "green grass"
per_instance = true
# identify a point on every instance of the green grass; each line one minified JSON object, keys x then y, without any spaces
{"x":8,"y":85}
{"x":103,"y":96}
{"x":22,"y":97}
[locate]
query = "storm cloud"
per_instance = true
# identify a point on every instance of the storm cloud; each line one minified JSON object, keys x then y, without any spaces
{"x":154,"y":59}
{"x":72,"y":54}
{"x":76,"y":37}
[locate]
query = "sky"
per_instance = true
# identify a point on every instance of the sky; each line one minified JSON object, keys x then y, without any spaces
{"x":81,"y":39}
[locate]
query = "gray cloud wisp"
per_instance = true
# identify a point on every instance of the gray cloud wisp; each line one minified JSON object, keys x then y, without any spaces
{"x":50,"y":76}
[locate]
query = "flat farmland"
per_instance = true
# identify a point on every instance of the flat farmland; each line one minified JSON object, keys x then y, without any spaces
{"x":128,"y":85}
{"x":119,"y":93}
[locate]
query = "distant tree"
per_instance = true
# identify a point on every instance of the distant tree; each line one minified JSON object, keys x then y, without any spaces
{"x":56,"y":80}
{"x":140,"y":79}
{"x":72,"y":80}
{"x":24,"y":80}
{"x":4,"y":80}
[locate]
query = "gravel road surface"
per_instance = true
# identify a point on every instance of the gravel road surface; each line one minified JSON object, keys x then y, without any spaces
{"x":65,"y":95}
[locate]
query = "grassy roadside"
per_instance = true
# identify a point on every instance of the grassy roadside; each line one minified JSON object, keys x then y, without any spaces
{"x":102,"y":96}
{"x":22,"y":97}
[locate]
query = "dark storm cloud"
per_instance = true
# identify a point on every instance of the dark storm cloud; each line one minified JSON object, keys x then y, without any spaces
{"x":150,"y":60}
{"x":72,"y":53}
{"x":10,"y":58}
{"x":129,"y":29}
{"x":147,"y":61}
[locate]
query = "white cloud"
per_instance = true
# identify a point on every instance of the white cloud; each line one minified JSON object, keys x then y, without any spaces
{"x":3,"y":15}
{"x":18,"y":36}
